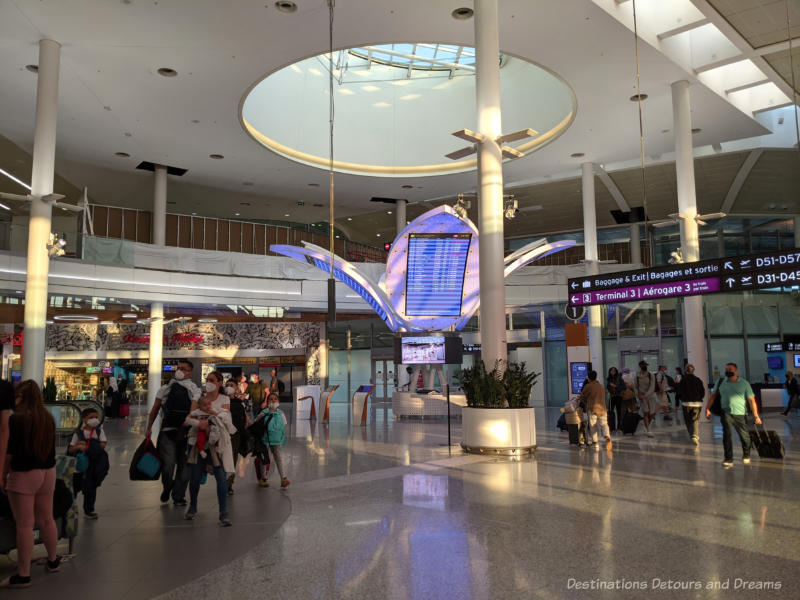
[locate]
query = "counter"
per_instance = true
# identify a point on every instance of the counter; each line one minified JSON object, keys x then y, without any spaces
{"x":408,"y":404}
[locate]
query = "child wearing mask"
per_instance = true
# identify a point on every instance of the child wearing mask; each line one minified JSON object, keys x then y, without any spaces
{"x":275,"y":434}
{"x":89,"y":439}
{"x":202,"y":437}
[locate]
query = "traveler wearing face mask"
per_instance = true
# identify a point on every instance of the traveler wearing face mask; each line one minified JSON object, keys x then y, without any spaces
{"x":241,"y":419}
{"x":175,"y":401}
{"x":734,"y":393}
{"x":90,"y":440}
{"x":275,"y":435}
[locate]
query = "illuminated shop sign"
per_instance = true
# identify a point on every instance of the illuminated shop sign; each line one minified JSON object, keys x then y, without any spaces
{"x":757,"y":271}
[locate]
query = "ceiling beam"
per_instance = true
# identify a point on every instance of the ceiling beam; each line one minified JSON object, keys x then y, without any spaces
{"x":778,"y":47}
{"x":741,"y":177}
{"x":683,"y":28}
{"x":611,"y":187}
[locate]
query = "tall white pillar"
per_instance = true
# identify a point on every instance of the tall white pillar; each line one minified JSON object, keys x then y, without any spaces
{"x":155,"y":357}
{"x":592,"y":266}
{"x":400,"y":216}
{"x":42,"y":173}
{"x":636,"y":244}
{"x":324,"y":358}
{"x":490,"y":184}
{"x":797,"y":231}
{"x":693,"y":326}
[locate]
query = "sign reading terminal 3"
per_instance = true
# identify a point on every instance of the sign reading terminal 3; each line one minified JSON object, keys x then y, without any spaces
{"x":735,"y":273}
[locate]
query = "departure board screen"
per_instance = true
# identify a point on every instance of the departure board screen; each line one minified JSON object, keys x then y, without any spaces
{"x":435,"y":273}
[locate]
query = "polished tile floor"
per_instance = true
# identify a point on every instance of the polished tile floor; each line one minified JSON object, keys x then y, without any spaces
{"x":390,"y":511}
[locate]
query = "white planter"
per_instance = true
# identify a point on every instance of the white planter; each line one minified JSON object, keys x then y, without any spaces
{"x":498,"y":430}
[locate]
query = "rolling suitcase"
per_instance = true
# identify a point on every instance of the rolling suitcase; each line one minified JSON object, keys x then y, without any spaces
{"x":124,"y":410}
{"x":562,"y":422}
{"x":630,"y":421}
{"x":768,"y":444}
{"x":612,"y":420}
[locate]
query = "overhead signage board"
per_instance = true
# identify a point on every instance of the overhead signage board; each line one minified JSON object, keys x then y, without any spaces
{"x":736,"y":273}
{"x":781,"y":347}
{"x":435,"y":273}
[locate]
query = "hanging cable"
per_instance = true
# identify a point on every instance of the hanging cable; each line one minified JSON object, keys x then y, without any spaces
{"x":791,"y":69}
{"x":641,"y":129}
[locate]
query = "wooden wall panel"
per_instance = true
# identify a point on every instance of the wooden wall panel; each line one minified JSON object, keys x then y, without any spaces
{"x":261,"y":241}
{"x":100,"y":221}
{"x":129,"y":224}
{"x":272,"y":238}
{"x":198,"y":232}
{"x":210,"y":239}
{"x":223,"y":237}
{"x":236,"y":236}
{"x":247,"y":238}
{"x":114,"y":223}
{"x":171,"y":233}
{"x":184,"y":231}
{"x":143,"y":231}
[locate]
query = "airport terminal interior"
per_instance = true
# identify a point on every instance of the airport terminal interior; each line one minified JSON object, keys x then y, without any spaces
{"x":511,"y":271}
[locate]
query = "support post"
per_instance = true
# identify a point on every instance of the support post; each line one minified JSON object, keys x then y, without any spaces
{"x":590,"y":256}
{"x":693,"y":325}
{"x":490,"y":184}
{"x":156,"y":348}
{"x":400,"y":216}
{"x":636,"y":244}
{"x":42,"y":173}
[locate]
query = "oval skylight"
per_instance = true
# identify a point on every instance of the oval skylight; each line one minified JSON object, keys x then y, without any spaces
{"x":396,"y":106}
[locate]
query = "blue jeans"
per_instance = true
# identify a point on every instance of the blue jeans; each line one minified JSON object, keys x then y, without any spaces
{"x":172,"y":449}
{"x":739,"y":423}
{"x":196,"y":474}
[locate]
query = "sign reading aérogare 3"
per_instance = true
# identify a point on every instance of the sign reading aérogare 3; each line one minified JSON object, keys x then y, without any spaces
{"x":757,"y":271}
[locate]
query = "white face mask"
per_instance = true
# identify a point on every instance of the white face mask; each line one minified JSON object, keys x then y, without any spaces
{"x":273,"y":407}
{"x":94,"y":422}
{"x":210,"y":387}
{"x":229,"y":390}
{"x":179,"y":375}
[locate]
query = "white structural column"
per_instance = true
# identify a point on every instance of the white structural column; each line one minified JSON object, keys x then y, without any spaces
{"x":400,"y":216}
{"x":44,"y":157}
{"x":636,"y":244}
{"x":592,"y":266}
{"x":797,"y":231}
{"x":693,"y":326}
{"x":490,"y":184}
{"x":155,"y":356}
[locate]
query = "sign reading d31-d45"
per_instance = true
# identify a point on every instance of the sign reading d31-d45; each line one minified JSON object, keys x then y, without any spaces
{"x":736,"y":273}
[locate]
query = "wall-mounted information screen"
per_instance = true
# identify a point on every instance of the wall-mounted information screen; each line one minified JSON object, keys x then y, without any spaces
{"x":435,"y":273}
{"x":422,"y":350}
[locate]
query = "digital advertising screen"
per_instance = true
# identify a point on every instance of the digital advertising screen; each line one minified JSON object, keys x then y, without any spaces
{"x":435,"y":273}
{"x":422,"y":350}
{"x":578,"y":371}
{"x":797,"y":360}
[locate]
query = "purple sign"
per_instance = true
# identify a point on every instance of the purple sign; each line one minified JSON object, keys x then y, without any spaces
{"x":646,"y":292}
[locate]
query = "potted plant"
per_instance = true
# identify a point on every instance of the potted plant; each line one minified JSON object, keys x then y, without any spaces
{"x":497,"y":418}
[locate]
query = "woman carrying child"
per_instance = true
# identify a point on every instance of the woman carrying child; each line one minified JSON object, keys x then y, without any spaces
{"x":213,"y":420}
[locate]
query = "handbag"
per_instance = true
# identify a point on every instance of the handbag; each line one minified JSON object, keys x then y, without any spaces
{"x":716,"y":405}
{"x":81,"y":462}
{"x":146,"y":462}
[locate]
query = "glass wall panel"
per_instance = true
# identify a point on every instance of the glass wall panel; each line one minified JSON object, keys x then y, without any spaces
{"x":672,"y":353}
{"x":725,"y":350}
{"x":638,"y":319}
{"x":724,"y":317}
{"x":790,"y":319}
{"x":337,"y":374}
{"x":610,"y":356}
{"x":757,"y":358}
{"x":556,"y":370}
{"x":761,"y":319}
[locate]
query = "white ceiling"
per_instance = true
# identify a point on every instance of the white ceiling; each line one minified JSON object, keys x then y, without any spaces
{"x":112,"y":49}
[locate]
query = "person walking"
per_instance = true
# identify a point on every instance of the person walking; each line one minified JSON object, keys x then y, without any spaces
{"x":615,"y":386}
{"x":662,"y":391}
{"x":734,"y":394}
{"x":644,"y":385}
{"x":175,"y":400}
{"x":594,"y":396}
{"x":692,"y":391}
{"x":31,"y":479}
{"x":793,"y":389}
{"x":257,"y":390}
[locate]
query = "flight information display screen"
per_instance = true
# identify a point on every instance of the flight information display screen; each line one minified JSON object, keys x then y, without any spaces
{"x":435,"y":273}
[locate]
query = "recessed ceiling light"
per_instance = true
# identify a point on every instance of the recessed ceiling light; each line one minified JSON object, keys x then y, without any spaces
{"x":122,"y":154}
{"x":247,"y":183}
{"x":75,"y":318}
{"x":338,"y":237}
{"x":129,"y":315}
{"x":206,"y":320}
{"x":388,"y":212}
{"x":313,"y":185}
{"x":462,"y":13}
{"x":193,"y":214}
{"x":301,"y":203}
{"x":236,"y":214}
{"x":407,"y":187}
{"x":167,"y":72}
{"x":216,"y":156}
{"x":318,"y":205}
{"x":286,"y":215}
{"x":577,"y":154}
{"x":244,"y":204}
{"x":665,"y":131}
{"x":106,"y":108}
{"x":285,"y":6}
{"x":32,"y":68}
{"x":378,"y":234}
{"x":349,"y":218}
{"x":696,"y":130}
{"x":773,"y":206}
{"x":195,"y":121}
{"x":128,"y":134}
{"x":637,"y":97}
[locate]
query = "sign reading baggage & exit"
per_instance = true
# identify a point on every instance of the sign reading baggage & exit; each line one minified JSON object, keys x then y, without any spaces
{"x":735,"y":273}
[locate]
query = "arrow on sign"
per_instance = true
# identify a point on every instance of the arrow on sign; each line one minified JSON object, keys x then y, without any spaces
{"x":574,"y":285}
{"x":574,"y":299}
{"x":728,"y":265}
{"x":730,"y":281}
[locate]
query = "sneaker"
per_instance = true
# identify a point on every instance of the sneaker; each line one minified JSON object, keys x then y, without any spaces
{"x":90,"y":514}
{"x":695,"y":440}
{"x":190,"y":515}
{"x":230,"y":491}
{"x":180,"y":502}
{"x":263,"y":483}
{"x":54,"y":565}
{"x":285,"y":482}
{"x":224,"y":521}
{"x":728,"y":464}
{"x":17,"y":581}
{"x":746,"y":460}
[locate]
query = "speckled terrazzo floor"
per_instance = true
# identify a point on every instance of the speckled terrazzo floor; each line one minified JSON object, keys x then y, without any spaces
{"x":388,"y":511}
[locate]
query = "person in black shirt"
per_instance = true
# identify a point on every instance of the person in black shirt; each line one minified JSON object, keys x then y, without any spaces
{"x":793,"y":390}
{"x":31,"y":479}
{"x":6,"y":406}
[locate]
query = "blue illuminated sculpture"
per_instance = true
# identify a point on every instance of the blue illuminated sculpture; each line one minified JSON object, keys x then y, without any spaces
{"x":431,"y":280}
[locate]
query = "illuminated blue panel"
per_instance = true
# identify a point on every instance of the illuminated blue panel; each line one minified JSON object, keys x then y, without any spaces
{"x":353,"y":285}
{"x":435,"y":273}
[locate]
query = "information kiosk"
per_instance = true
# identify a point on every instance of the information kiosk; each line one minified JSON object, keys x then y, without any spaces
{"x":360,"y":404}
{"x":306,"y":401}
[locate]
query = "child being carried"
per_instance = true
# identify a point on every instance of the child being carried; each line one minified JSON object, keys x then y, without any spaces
{"x":203,"y":437}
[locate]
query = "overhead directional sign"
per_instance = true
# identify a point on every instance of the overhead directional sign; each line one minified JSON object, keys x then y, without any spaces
{"x":736,"y":273}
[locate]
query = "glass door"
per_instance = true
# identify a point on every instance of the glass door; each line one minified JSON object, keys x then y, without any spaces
{"x":383,"y":377}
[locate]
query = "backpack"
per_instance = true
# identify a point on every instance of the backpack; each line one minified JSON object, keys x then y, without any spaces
{"x":95,"y":457}
{"x":176,"y":407}
{"x":670,"y":381}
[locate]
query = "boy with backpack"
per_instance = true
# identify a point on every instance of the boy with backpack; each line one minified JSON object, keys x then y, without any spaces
{"x":175,"y":400}
{"x":88,"y":443}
